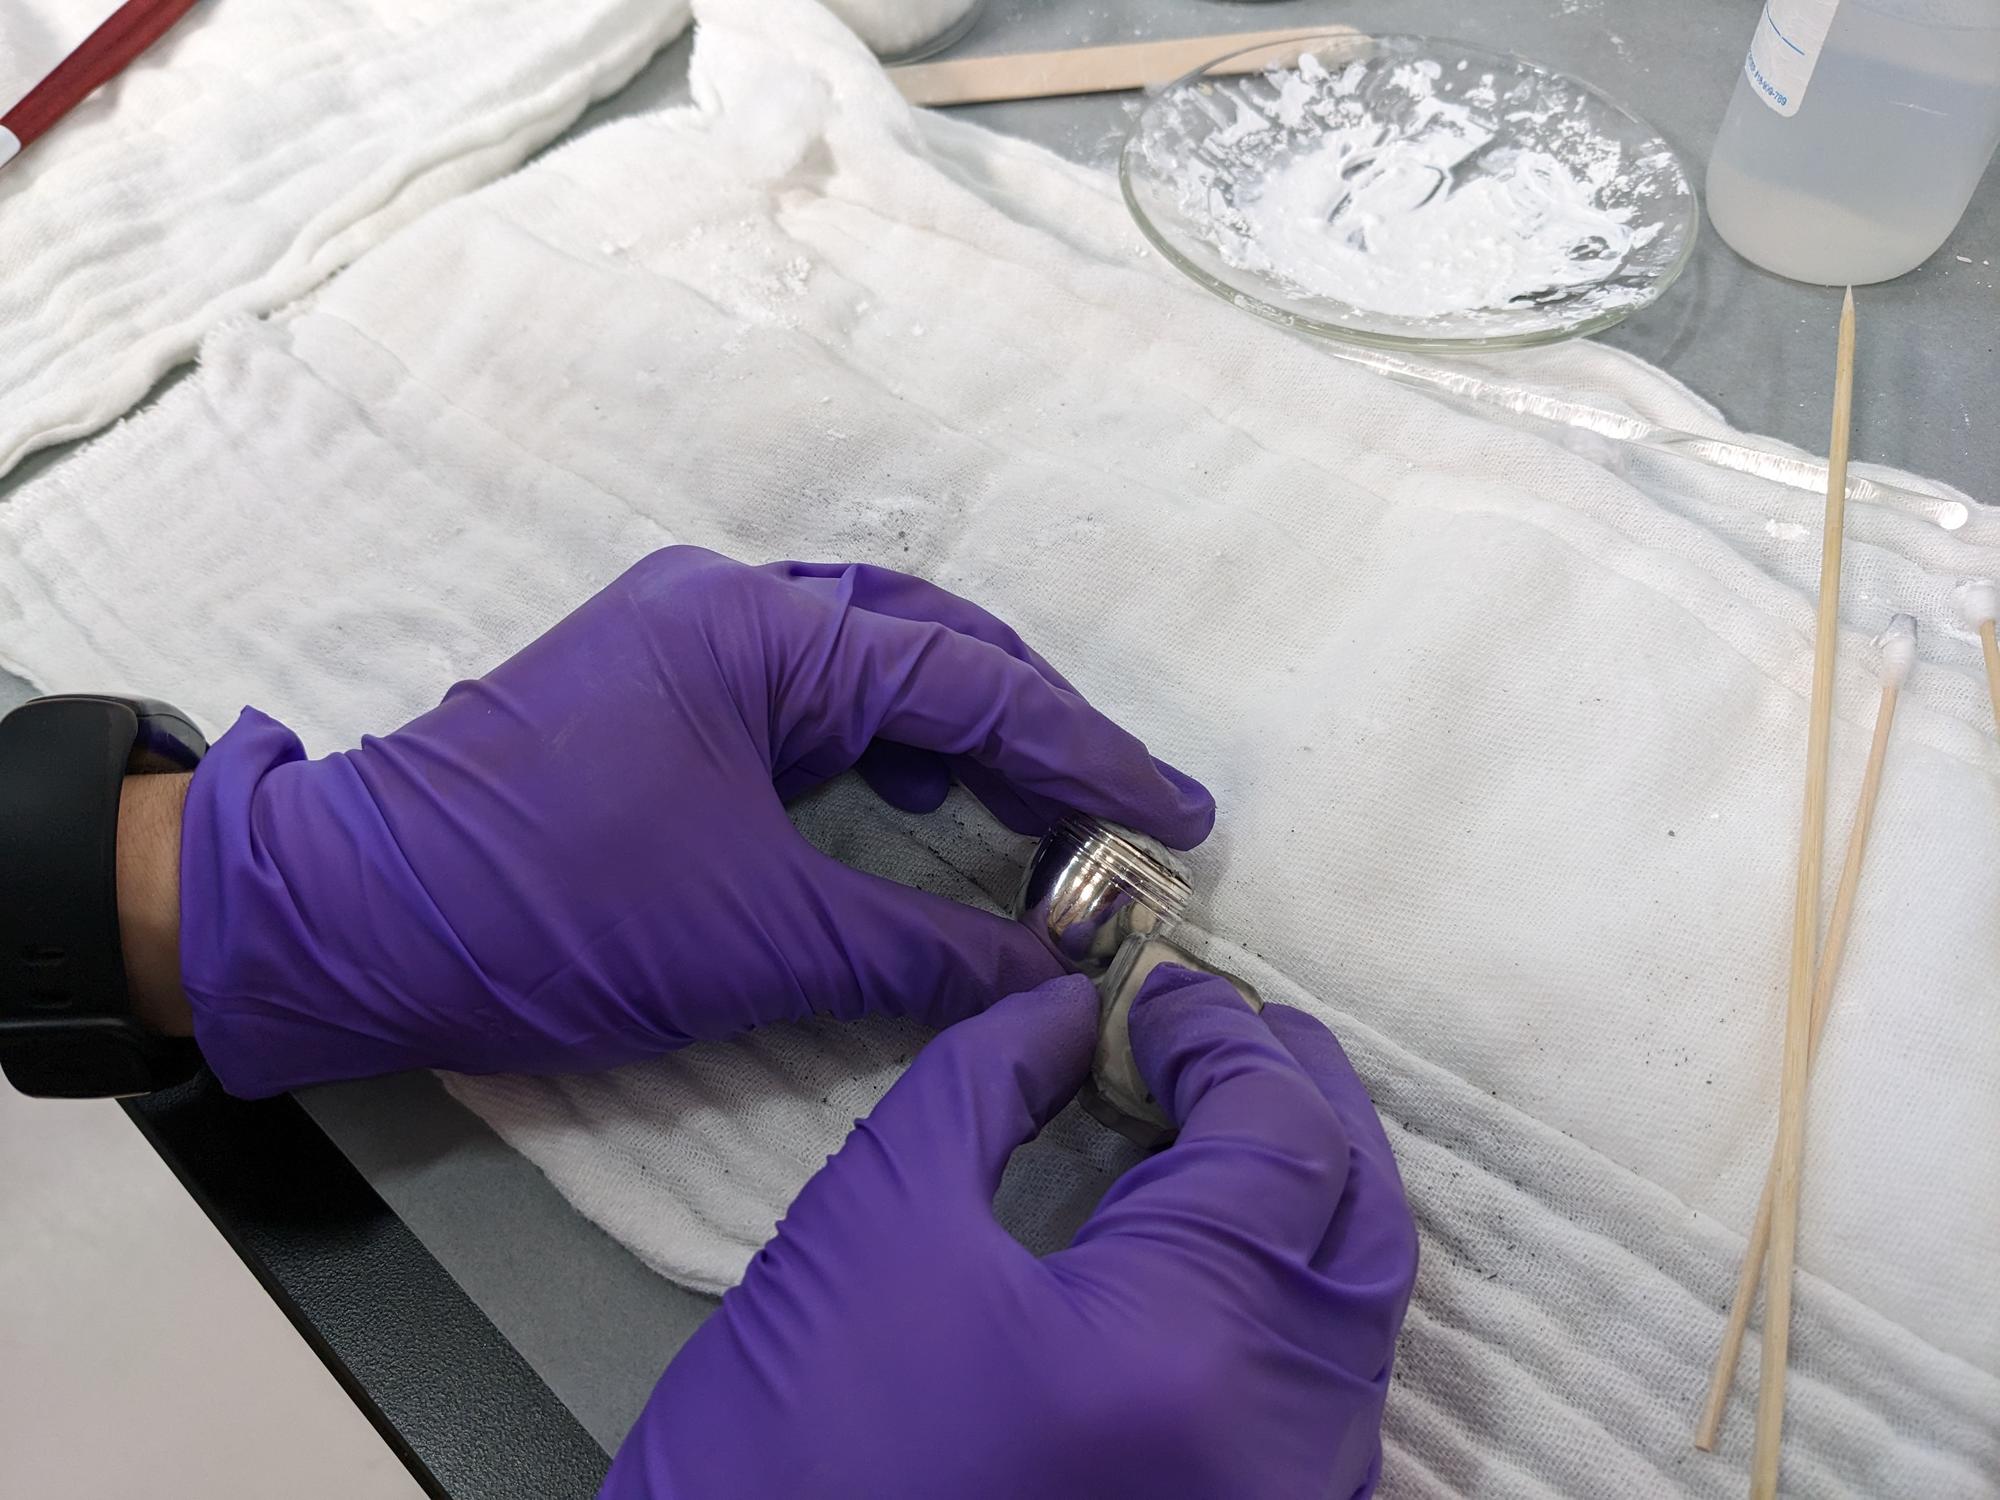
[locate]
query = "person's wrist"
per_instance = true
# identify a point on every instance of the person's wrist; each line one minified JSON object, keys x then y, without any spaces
{"x":149,"y":906}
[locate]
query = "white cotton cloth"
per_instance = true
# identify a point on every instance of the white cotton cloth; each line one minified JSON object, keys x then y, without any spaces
{"x":36,"y":35}
{"x":251,"y":152}
{"x":1508,"y":738}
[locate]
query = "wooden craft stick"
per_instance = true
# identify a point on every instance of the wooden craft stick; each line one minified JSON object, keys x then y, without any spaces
{"x":1791,"y":1146}
{"x":1089,"y":70}
{"x":1991,"y":644}
{"x":1899,"y":655}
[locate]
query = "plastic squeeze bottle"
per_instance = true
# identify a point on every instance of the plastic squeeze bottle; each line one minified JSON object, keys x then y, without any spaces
{"x":1857,"y":133}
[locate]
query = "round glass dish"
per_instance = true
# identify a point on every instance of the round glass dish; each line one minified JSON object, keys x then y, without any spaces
{"x":1409,"y":193}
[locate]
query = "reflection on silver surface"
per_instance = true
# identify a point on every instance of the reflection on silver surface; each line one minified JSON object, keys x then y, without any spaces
{"x":1103,"y":899}
{"x":1116,"y":1094}
{"x":1092,"y":885}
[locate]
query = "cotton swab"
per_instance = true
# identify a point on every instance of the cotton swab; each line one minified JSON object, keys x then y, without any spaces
{"x":1805,"y":928}
{"x":1979,"y":602}
{"x":1899,"y":657}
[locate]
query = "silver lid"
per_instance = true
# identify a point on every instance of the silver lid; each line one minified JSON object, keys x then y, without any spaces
{"x":1092,"y":884}
{"x":1143,"y":866}
{"x":1116,"y":1094}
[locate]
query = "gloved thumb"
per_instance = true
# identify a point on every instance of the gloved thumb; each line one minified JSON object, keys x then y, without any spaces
{"x":911,"y":953}
{"x":977,"y":1091}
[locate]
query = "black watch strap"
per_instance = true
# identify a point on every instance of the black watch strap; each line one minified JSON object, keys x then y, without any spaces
{"x":66,"y":1023}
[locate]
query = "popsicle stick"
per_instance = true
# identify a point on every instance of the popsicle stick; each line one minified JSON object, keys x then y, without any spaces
{"x":1088,"y":70}
{"x":1898,"y":658}
{"x":1805,"y":924}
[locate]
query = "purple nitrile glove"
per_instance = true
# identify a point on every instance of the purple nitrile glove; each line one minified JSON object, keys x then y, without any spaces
{"x":1222,"y":1325}
{"x":583,"y":858}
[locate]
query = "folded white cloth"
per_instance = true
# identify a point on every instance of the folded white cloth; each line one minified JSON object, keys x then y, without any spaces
{"x":1507,"y":737}
{"x":249,"y":154}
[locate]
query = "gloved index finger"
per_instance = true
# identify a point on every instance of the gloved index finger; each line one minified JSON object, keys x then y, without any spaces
{"x":904,"y":596}
{"x":925,"y":684}
{"x":1262,"y":1158}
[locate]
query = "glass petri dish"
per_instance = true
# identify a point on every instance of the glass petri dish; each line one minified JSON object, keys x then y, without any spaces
{"x":1409,"y":193}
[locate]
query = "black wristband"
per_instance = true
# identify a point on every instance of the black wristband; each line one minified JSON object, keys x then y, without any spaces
{"x":66,"y":1024}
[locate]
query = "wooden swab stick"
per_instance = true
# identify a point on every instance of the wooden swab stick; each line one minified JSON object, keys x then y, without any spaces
{"x":1899,"y":655}
{"x":1092,"y":70}
{"x":1805,"y":928}
{"x":1980,"y":603}
{"x":1988,"y":639}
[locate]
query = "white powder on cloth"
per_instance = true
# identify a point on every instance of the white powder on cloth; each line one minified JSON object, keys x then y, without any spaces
{"x":1372,"y":188}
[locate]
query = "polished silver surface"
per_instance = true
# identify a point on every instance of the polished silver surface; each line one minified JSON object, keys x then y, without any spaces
{"x":1103,"y":898}
{"x":1092,"y":885}
{"x":1116,"y":1094}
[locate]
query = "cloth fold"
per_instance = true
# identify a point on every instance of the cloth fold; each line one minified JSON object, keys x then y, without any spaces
{"x":1506,"y":733}
{"x":249,"y":154}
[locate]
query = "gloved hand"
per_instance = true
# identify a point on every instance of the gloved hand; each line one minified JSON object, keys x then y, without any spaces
{"x":1221,"y":1327}
{"x":583,"y":857}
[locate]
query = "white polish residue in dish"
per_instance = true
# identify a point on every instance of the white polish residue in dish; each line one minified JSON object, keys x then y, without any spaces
{"x":1367,"y":188}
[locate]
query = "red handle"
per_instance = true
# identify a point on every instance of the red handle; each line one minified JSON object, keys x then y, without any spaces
{"x":125,"y":33}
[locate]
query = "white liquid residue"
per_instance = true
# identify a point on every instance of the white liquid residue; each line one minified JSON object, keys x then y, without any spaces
{"x":1377,"y":224}
{"x":1368,"y":188}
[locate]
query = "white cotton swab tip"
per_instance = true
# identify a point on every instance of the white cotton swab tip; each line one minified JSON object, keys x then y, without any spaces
{"x":1979,"y":601}
{"x":1898,"y":645}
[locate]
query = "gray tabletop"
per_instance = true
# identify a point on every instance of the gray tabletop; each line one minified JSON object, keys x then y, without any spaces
{"x":596,"y":1324}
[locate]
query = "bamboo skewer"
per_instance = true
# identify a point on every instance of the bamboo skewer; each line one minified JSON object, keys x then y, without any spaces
{"x":1790,"y":1152}
{"x":1979,"y":602}
{"x":1898,"y":657}
{"x":1992,"y":648}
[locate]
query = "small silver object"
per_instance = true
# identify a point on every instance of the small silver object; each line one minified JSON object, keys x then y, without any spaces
{"x":1093,"y":885}
{"x":1103,"y":899}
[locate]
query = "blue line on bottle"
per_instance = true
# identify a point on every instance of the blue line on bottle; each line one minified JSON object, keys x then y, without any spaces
{"x":1781,"y":36}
